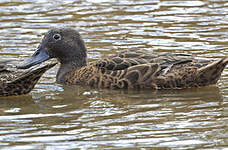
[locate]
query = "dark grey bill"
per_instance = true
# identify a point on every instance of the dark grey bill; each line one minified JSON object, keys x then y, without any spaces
{"x":38,"y":57}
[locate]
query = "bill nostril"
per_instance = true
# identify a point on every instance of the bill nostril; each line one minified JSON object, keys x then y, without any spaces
{"x":36,"y":53}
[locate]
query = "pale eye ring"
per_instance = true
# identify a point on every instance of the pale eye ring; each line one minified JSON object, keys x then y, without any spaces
{"x":57,"y":37}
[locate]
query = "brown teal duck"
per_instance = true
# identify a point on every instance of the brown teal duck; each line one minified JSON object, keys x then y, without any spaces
{"x":129,"y":69}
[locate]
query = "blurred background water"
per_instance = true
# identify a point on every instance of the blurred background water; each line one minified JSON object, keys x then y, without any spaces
{"x":57,"y":117}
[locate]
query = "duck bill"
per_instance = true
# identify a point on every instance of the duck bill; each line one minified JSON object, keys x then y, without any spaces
{"x":38,"y":57}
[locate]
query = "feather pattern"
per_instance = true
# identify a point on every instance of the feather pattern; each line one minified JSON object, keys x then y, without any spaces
{"x":17,"y":82}
{"x":155,"y":71}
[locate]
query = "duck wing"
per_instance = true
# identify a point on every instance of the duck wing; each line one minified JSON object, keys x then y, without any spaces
{"x":127,"y":59}
{"x":151,"y":75}
{"x":156,"y":70}
{"x":139,"y":70}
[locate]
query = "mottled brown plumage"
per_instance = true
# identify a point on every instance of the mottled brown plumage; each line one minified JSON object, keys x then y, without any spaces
{"x":18,"y":82}
{"x":129,"y":69}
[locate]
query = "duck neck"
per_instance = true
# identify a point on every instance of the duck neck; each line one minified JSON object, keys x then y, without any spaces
{"x":65,"y":68}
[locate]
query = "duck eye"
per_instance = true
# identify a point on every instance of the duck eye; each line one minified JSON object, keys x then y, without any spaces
{"x":57,"y":37}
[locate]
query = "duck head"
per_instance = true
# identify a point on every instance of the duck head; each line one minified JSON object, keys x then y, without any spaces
{"x":65,"y":44}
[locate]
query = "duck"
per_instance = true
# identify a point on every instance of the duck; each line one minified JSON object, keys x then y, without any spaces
{"x":18,"y":82}
{"x":130,"y":69}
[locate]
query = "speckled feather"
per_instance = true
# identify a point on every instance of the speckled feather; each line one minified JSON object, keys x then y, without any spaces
{"x":18,"y":82}
{"x":155,"y":71}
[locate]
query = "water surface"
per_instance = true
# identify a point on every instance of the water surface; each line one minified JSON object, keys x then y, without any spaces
{"x":57,"y":117}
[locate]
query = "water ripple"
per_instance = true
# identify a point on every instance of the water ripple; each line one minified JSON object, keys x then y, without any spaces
{"x":57,"y":117}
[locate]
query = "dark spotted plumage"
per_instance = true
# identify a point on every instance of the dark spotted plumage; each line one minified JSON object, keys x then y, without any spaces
{"x":17,"y":82}
{"x":129,"y":69}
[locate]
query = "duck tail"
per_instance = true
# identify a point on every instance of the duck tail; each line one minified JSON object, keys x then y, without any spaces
{"x":211,"y":73}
